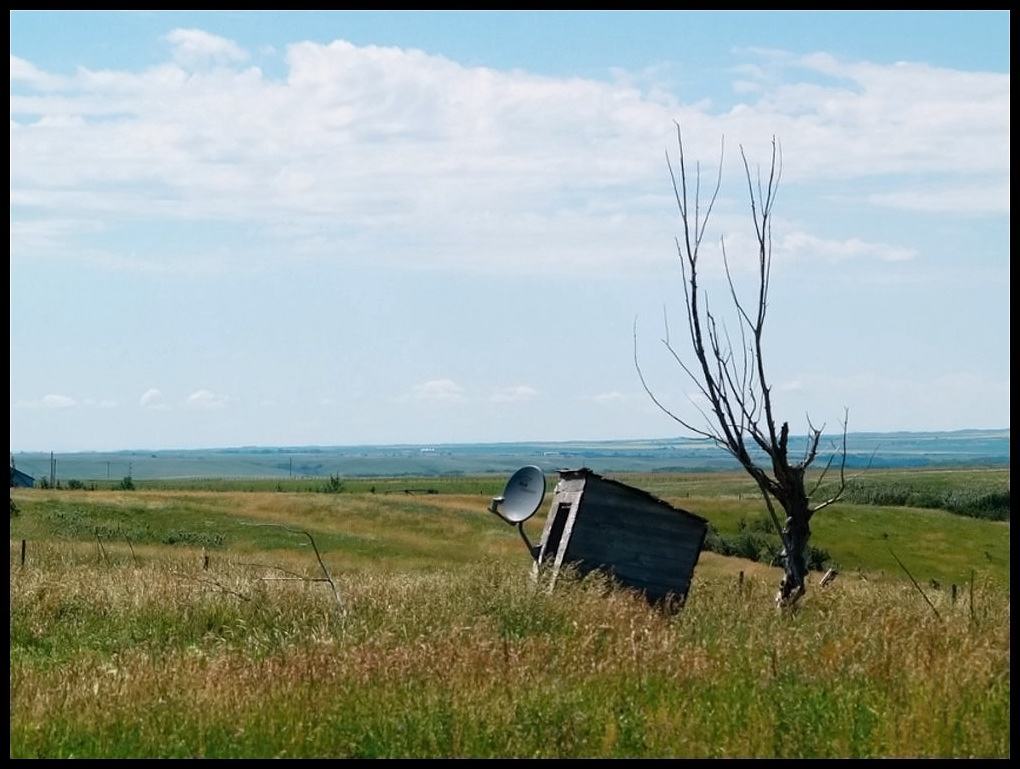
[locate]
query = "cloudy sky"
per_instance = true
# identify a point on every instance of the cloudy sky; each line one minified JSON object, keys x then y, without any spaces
{"x":288,"y":229}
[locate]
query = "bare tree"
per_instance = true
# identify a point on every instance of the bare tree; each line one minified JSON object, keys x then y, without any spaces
{"x":731,"y":378}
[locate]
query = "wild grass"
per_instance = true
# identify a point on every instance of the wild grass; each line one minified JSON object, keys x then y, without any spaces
{"x":125,"y":646}
{"x":109,"y":659}
{"x":976,"y":492}
{"x":441,"y":531}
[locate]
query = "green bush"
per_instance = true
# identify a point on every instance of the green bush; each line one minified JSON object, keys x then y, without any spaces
{"x":991,"y":504}
{"x":756,"y":541}
{"x":334,"y":485}
{"x":126,"y":484}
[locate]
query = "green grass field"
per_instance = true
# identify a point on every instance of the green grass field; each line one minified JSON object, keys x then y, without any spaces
{"x":125,"y":646}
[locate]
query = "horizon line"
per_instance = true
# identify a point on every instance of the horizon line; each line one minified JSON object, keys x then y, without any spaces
{"x":298,"y":447}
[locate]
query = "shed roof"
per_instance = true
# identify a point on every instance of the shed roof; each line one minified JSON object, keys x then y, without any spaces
{"x":586,"y":472}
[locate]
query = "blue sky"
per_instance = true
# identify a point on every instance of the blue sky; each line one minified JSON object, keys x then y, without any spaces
{"x":280,"y":229}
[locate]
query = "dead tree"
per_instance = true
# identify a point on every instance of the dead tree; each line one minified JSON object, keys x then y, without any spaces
{"x":731,"y":378}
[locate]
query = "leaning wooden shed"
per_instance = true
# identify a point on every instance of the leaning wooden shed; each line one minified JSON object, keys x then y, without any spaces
{"x":638,"y":539}
{"x":21,"y":480}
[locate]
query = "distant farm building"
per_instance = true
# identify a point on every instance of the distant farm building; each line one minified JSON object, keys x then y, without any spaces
{"x":21,"y":480}
{"x":639,"y":540}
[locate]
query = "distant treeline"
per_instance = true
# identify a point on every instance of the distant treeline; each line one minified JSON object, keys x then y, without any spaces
{"x":991,"y":504}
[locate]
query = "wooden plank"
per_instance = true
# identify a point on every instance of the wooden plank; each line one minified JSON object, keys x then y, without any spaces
{"x":654,"y":571}
{"x":664,"y":567}
{"x":634,"y":535}
{"x":619,"y":493}
{"x":653,"y":561}
{"x":638,"y":582}
{"x":625,"y":509}
{"x":635,"y":521}
{"x":568,"y":532}
{"x":650,"y":575}
{"x":565,"y":485}
{"x":560,"y":498}
{"x":608,"y":543}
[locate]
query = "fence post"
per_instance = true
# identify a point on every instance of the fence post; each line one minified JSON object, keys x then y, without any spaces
{"x":24,"y":546}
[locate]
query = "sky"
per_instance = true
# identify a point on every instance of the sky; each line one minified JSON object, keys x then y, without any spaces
{"x":235,"y":229}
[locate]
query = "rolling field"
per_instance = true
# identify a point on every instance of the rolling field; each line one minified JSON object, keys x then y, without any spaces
{"x":126,"y":646}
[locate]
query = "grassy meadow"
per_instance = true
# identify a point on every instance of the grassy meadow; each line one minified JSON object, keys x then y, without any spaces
{"x":123,"y":645}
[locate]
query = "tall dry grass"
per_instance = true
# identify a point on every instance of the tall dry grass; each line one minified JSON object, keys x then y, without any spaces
{"x":110,"y":659}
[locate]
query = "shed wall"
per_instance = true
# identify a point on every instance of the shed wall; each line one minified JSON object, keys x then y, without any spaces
{"x":643,"y":542}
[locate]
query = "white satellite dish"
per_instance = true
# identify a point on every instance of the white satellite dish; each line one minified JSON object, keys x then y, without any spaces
{"x":522,"y":496}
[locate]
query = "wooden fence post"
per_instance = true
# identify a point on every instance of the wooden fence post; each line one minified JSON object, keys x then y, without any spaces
{"x":24,"y":546}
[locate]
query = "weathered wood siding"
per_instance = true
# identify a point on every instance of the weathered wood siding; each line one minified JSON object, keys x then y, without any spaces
{"x":567,"y":492}
{"x":643,"y":542}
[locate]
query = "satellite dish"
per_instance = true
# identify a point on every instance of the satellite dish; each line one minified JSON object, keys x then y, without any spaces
{"x":522,"y":496}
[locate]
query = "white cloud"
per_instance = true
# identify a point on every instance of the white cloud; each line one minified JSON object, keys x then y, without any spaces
{"x":193,"y":46}
{"x":58,"y":402}
{"x":472,"y":166}
{"x":52,"y":401}
{"x":612,"y":396}
{"x":513,"y":394}
{"x":205,"y":399}
{"x":153,"y":399}
{"x":806,"y":246}
{"x":104,"y":403}
{"x":26,"y":73}
{"x":966,"y":198}
{"x":438,"y":390}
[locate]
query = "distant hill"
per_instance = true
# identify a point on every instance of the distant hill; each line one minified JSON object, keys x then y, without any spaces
{"x":901,"y":449}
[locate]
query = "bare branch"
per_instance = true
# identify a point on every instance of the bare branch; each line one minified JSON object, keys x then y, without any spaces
{"x":680,"y":362}
{"x":919,"y":590}
{"x":842,"y":472}
{"x":736,"y":389}
{"x":276,"y":568}
{"x":811,"y":447}
{"x":691,"y":254}
{"x":131,"y":547}
{"x":733,"y":290}
{"x":822,"y":476}
{"x":699,"y":234}
{"x":662,"y":408}
{"x":318,"y":556}
{"x":211,"y":583}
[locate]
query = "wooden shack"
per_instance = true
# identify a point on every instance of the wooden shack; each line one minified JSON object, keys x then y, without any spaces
{"x":639,"y":540}
{"x":21,"y":480}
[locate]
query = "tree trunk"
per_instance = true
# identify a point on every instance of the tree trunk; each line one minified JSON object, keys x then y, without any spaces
{"x":795,"y":543}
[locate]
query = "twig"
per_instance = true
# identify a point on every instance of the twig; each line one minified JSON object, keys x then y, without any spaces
{"x":130,"y":547}
{"x":318,"y":556}
{"x":269,"y":566}
{"x":971,"y":602}
{"x":828,"y":577}
{"x":102,"y":549}
{"x":211,"y":583}
{"x":919,"y":590}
